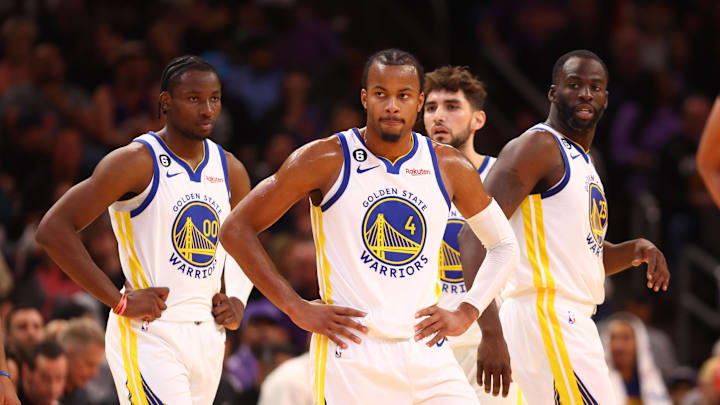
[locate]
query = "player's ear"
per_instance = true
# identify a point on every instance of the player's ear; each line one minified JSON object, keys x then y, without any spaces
{"x":607,"y":97}
{"x":164,"y":102}
{"x":478,"y":120}
{"x":421,"y":101}
{"x":363,"y":98}
{"x":552,"y":93}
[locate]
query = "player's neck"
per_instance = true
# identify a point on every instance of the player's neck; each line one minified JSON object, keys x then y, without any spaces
{"x":468,"y":150}
{"x":190,"y":150}
{"x":584,"y":138}
{"x":388,"y":150}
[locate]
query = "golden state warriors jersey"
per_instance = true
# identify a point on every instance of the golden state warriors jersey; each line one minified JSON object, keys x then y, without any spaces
{"x":452,"y":282}
{"x":561,"y":232}
{"x":168,"y":234}
{"x":377,"y":232}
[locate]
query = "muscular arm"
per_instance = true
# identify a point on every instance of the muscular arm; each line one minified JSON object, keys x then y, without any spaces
{"x":708,"y":155}
{"x":125,"y":170}
{"x":310,"y":170}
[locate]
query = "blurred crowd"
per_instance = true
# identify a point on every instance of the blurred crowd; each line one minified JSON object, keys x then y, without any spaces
{"x":79,"y":78}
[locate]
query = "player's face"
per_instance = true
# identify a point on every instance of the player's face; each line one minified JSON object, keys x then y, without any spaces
{"x":194,"y":104}
{"x":581,"y":93}
{"x":392,"y":99}
{"x":449,"y":118}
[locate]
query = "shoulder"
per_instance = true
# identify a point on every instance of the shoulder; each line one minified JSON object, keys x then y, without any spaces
{"x":322,"y":153}
{"x":532,"y":147}
{"x":132,"y":155}
{"x":449,"y":157}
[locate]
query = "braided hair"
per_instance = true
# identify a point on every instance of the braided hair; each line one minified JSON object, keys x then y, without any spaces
{"x":175,"y":69}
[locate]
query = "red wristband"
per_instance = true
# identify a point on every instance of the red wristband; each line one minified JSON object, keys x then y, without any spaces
{"x":121,"y":305}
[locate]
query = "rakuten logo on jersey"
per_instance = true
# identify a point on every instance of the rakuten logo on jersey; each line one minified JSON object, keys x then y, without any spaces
{"x":417,"y":172}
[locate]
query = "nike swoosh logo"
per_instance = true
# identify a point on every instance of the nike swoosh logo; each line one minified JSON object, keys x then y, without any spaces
{"x":172,"y":175}
{"x":359,"y":170}
{"x":575,"y":156}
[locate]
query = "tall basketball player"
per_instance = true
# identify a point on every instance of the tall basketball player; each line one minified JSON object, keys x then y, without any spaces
{"x":453,"y":114}
{"x":380,"y":200}
{"x":708,"y":155}
{"x":546,"y":183}
{"x":167,"y":194}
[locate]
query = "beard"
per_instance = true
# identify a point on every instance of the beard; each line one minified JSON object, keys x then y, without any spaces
{"x":459,"y":139}
{"x":567,"y":115}
{"x":389,"y":137}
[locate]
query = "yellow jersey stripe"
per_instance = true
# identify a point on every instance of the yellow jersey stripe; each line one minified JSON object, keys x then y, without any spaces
{"x":132,"y":386}
{"x":325,"y":265}
{"x":134,"y":358}
{"x":131,"y":244}
{"x":121,"y":233}
{"x":322,"y":340}
{"x":557,"y":332}
{"x":540,"y":303}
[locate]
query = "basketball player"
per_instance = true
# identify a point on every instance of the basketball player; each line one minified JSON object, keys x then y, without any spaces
{"x":7,"y":388}
{"x":546,"y":183}
{"x":167,"y":194}
{"x":453,"y":114}
{"x":380,"y":199}
{"x":708,"y":156}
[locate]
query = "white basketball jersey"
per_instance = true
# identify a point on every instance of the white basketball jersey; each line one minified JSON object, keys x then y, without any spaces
{"x":452,"y":282}
{"x":168,"y":234}
{"x":561,"y":232}
{"x":377,"y":233}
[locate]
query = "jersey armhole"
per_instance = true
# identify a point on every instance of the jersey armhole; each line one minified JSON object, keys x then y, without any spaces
{"x":438,"y":176}
{"x":148,"y":194}
{"x":336,"y":191}
{"x":566,"y":176}
{"x":223,"y":160}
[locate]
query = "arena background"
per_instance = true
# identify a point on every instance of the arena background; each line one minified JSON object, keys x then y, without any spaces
{"x":80,"y":78}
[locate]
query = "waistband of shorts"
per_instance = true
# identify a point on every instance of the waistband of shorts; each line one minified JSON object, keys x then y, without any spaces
{"x":583,"y":308}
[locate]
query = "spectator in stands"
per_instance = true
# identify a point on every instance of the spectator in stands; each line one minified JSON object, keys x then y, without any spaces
{"x":708,"y":390}
{"x":634,"y":374}
{"x":18,"y":37}
{"x":25,"y":330}
{"x":43,"y":375}
{"x":83,"y":341}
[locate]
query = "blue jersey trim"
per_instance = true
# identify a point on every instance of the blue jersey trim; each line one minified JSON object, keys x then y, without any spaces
{"x":438,"y":176}
{"x":587,"y":396}
{"x":393,"y":167}
{"x":566,"y":177}
{"x":579,"y":149}
{"x":155,"y":181}
{"x":149,"y":394}
{"x":223,"y":160}
{"x":195,"y":175}
{"x":484,"y":164}
{"x":345,"y":174}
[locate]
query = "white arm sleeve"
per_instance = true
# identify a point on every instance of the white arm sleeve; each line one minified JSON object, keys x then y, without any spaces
{"x":494,"y":231}
{"x":237,"y":284}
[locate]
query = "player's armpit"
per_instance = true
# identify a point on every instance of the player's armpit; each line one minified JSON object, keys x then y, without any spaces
{"x":238,"y":179}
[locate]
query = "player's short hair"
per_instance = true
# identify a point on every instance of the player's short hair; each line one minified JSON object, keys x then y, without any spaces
{"x":393,"y":57}
{"x":170,"y":76}
{"x":579,"y":53}
{"x":81,"y":332}
{"x":49,"y":349}
{"x":454,"y":78}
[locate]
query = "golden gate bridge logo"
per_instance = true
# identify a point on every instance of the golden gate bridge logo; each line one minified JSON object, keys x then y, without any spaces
{"x":598,"y":213}
{"x":195,"y":233}
{"x":394,"y":231}
{"x":449,"y":259}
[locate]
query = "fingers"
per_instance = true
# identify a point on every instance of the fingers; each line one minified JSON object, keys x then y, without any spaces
{"x":345,"y":311}
{"x":434,"y":327}
{"x":487,"y":382}
{"x":346,"y":332}
{"x":435,"y":340}
{"x":218,"y":298}
{"x":218,"y":309}
{"x":496,"y":383}
{"x":506,"y":379}
{"x":480,"y":371}
{"x":429,"y":311}
{"x":349,"y":323}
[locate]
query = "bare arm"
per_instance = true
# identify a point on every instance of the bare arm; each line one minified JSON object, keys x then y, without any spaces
{"x":309,"y":170}
{"x":82,"y":204}
{"x":621,"y":256}
{"x":708,"y":155}
{"x":487,"y":220}
{"x":7,"y":389}
{"x":229,"y":307}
